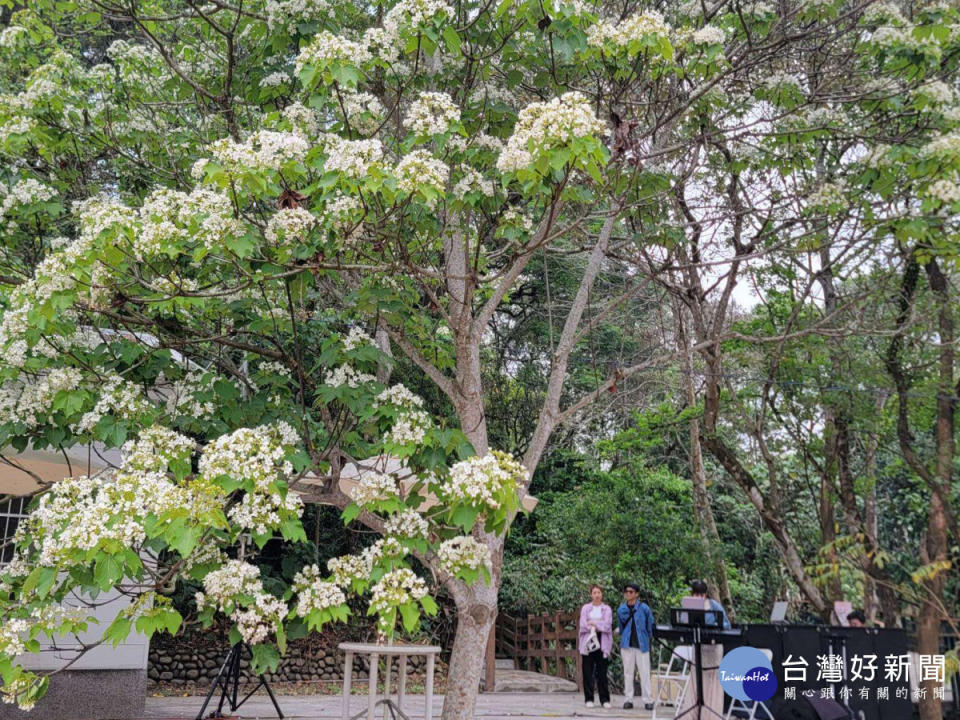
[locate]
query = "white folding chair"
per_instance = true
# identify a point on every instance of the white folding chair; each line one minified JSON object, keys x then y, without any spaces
{"x":754,"y":706}
{"x":673,"y":680}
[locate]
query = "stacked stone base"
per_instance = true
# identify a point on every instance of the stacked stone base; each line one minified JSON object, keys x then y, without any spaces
{"x":180,"y":662}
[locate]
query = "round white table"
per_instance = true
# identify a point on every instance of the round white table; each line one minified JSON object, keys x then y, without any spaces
{"x":389,"y":651}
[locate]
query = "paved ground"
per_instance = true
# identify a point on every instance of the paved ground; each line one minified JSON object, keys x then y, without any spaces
{"x":493,"y":706}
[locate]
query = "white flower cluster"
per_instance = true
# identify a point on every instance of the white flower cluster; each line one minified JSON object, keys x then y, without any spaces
{"x":352,"y":158}
{"x":409,"y":428}
{"x":827,"y":194}
{"x":11,"y":36}
{"x":326,"y":48}
{"x":364,"y":111}
{"x":945,"y":146}
{"x":346,"y":375}
{"x":225,"y":590}
{"x":399,"y":396}
{"x":343,"y":214}
{"x":263,"y":150}
{"x":479,"y":481}
{"x":16,"y":126}
{"x":315,"y":593}
{"x":432,"y":113}
{"x":25,"y":192}
{"x":709,"y":35}
{"x":85,"y":513}
{"x":285,"y":15}
{"x":32,"y":402}
{"x":16,"y":692}
{"x":420,"y":168}
{"x":782,"y":80}
{"x":263,"y":512}
{"x":937,"y":91}
{"x":119,"y":398}
{"x":407,"y":524}
{"x":155,"y":449}
{"x":302,"y":119}
{"x":347,"y":568}
{"x":622,"y":33}
{"x":891,"y":37}
{"x":463,"y":553}
{"x":946,"y":191}
{"x":518,"y":219}
{"x":543,"y":126}
{"x":397,"y":587}
{"x":878,"y":12}
{"x":254,"y":455}
{"x":184,"y":397}
{"x":413,"y":14}
{"x":374,"y":487}
{"x":274,"y":79}
{"x":169,"y":218}
{"x":290,"y":224}
{"x":356,"y":338}
{"x":12,"y":634}
{"x":473,"y":182}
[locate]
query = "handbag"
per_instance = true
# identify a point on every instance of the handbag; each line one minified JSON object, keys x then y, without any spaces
{"x":593,"y":642}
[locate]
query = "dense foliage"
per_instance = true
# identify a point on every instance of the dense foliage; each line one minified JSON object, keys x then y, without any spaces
{"x":225,"y":225}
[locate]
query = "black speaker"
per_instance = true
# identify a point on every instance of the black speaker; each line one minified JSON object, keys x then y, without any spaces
{"x":806,"y":642}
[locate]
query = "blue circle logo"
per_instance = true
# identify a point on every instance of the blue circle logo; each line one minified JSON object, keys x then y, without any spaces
{"x":746,"y":673}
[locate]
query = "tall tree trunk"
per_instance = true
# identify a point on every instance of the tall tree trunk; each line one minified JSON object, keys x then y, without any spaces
{"x":476,"y":614}
{"x":702,"y":507}
{"x":935,"y":548}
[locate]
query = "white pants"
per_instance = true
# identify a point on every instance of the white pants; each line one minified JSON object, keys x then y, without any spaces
{"x":633,"y":660}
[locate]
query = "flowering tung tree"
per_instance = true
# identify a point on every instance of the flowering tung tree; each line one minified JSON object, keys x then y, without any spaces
{"x":223,"y":221}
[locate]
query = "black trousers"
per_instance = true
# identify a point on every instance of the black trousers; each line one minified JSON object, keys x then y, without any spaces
{"x":595,"y":672}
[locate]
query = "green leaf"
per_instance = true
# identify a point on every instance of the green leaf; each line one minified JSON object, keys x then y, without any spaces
{"x":429,"y":605}
{"x":350,"y":513}
{"x":411,"y":616}
{"x":265,"y":658}
{"x":452,"y":39}
{"x":119,"y":630}
{"x":465,"y":517}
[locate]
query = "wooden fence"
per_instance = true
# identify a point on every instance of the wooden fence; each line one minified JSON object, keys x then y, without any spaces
{"x":542,"y":643}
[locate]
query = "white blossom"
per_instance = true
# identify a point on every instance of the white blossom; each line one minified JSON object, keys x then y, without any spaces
{"x":315,"y":593}
{"x":352,"y":158}
{"x":326,"y":48}
{"x":374,"y":487}
{"x":622,"y":33}
{"x":543,"y":126}
{"x":946,"y":191}
{"x":289,"y":224}
{"x":463,"y":553}
{"x":407,"y":524}
{"x":709,"y":35}
{"x":418,"y":169}
{"x":431,"y":113}
{"x":348,"y":376}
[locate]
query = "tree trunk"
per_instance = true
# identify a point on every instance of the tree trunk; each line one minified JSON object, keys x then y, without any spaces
{"x":936,"y":545}
{"x":476,"y":614}
{"x":702,"y":508}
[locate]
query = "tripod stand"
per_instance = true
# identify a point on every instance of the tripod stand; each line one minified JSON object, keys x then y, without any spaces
{"x":228,"y":680}
{"x":842,"y":640}
{"x":697,"y":642}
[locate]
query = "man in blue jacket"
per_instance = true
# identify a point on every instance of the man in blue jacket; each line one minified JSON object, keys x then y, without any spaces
{"x":636,"y":630}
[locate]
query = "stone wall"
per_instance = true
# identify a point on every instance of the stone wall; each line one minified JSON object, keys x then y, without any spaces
{"x":197,"y":657}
